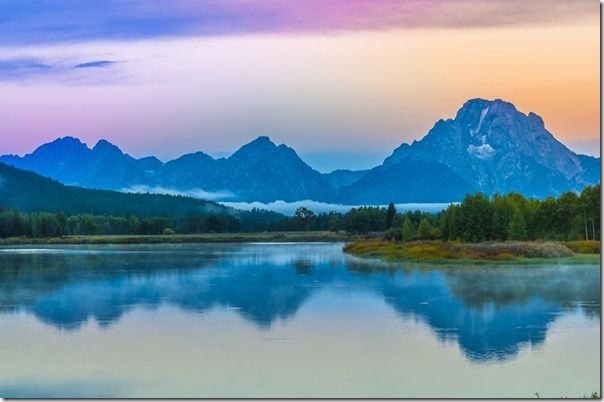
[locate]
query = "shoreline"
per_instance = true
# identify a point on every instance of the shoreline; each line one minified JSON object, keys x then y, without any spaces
{"x":319,"y":236}
{"x":438,"y":252}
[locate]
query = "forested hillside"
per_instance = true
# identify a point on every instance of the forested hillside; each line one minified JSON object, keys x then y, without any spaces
{"x":29,"y":192}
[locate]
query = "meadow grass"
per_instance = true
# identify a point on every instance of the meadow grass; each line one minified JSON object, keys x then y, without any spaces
{"x":439,"y":251}
{"x":584,"y":246}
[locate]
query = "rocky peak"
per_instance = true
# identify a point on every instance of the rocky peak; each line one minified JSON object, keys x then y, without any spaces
{"x":68,"y":144}
{"x":260,"y":148}
{"x":104,"y":147}
{"x":260,"y":143}
{"x":474,"y":108}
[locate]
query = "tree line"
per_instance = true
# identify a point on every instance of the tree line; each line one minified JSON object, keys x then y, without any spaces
{"x":477,"y":218}
{"x":507,"y":217}
{"x":46,"y":224}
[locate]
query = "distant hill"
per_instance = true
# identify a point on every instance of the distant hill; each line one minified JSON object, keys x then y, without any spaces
{"x":29,"y":192}
{"x":489,"y":146}
{"x":421,"y":182}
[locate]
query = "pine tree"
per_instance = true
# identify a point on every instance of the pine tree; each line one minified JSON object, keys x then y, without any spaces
{"x":408,"y":230}
{"x":425,"y":229}
{"x":390,"y":214}
{"x":517,"y":228}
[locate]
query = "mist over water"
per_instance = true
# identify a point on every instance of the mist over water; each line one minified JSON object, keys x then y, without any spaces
{"x":282,"y":319}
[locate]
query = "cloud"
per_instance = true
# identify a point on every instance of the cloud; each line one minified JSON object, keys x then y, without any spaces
{"x":93,"y":64}
{"x":195,"y":192}
{"x":33,"y":69}
{"x":30,"y":22}
{"x":17,"y":68}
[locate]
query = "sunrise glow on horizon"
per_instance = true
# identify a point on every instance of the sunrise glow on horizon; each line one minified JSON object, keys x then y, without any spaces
{"x":332,"y":79}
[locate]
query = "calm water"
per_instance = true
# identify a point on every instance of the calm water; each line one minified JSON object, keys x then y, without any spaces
{"x":278,"y":320}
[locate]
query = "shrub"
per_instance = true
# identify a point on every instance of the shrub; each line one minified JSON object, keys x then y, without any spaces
{"x":393,"y":235}
{"x":169,"y":231}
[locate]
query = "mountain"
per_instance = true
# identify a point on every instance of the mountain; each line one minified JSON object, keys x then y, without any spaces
{"x":187,"y":172}
{"x":71,"y":162}
{"x":499,"y":149}
{"x":262,"y":171}
{"x":344,"y":177}
{"x":488,"y":146}
{"x":29,"y":192}
{"x":258,"y":171}
{"x":407,"y":181}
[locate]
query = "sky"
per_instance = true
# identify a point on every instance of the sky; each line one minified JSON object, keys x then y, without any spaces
{"x":343,"y":82}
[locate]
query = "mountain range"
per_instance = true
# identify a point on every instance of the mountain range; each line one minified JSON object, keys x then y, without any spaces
{"x":488,"y":146}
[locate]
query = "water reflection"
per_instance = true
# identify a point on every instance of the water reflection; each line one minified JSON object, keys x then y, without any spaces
{"x":491,"y":312}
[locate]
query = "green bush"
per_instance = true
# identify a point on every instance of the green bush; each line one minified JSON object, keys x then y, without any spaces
{"x":393,"y":235}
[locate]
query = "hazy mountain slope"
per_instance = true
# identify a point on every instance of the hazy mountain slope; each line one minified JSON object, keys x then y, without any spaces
{"x":343,"y":177}
{"x":28,"y":191}
{"x":187,"y":172}
{"x":407,"y":181}
{"x":263,"y":171}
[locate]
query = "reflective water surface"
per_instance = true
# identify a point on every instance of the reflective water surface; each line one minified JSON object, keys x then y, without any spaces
{"x":284,"y":320}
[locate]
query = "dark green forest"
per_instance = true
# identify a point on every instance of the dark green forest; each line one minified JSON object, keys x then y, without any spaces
{"x":477,"y":218}
{"x":506,"y":217}
{"x":35,"y":206}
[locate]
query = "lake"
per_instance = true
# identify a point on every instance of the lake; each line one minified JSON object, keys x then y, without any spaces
{"x":290,"y":320}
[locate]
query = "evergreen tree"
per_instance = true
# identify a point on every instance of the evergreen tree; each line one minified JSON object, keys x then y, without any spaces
{"x":390,"y":214}
{"x":408,"y":230}
{"x":503,"y":210}
{"x":425,"y":229}
{"x":304,"y":216}
{"x":517,"y":228}
{"x":334,"y":222}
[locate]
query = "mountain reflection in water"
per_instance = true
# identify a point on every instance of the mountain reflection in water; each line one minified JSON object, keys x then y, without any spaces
{"x":490,"y":311}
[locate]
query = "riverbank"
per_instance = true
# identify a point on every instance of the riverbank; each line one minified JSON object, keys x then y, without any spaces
{"x":319,"y":236}
{"x":439,"y":251}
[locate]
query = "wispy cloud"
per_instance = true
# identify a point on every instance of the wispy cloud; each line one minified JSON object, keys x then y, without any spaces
{"x":31,"y":21}
{"x":17,"y":68}
{"x":95,"y":64}
{"x":195,"y":192}
{"x":32,"y":69}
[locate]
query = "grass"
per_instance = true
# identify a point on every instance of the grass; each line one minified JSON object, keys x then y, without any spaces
{"x":322,"y":236}
{"x":584,"y":246}
{"x":439,"y":251}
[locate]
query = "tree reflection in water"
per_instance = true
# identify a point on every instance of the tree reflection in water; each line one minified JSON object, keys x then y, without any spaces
{"x":490,"y":311}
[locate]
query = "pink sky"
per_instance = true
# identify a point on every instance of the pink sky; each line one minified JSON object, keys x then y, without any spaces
{"x":330,"y":78}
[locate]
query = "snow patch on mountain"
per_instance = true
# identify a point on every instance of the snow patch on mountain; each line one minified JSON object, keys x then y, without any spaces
{"x":483,"y":114}
{"x":484,"y":151}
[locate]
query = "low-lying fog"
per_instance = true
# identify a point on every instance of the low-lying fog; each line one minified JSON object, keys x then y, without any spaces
{"x":288,"y":208}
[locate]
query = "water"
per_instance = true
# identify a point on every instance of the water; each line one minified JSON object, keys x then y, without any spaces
{"x":285,"y":320}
